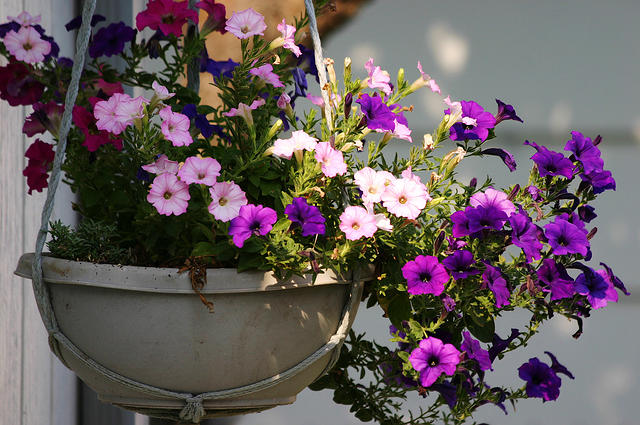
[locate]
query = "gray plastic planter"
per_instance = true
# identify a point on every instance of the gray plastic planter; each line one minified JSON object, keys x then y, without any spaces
{"x":148,"y":325}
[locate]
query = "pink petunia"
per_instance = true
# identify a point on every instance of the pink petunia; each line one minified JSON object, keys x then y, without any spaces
{"x":266,"y":74}
{"x":371,"y":184}
{"x":288,"y":33}
{"x":161,"y":91}
{"x":298,"y":141}
{"x":378,"y":79}
{"x":168,"y":16}
{"x":118,"y":112}
{"x":401,"y":131}
{"x":175,"y":127}
{"x":25,"y":19}
{"x":405,"y":198}
{"x":331,"y":160}
{"x":226,"y":200}
{"x":246,"y":24}
{"x":169,"y":195}
{"x":93,"y":138}
{"x":283,"y":101}
{"x":27,"y":45}
{"x":200,"y":171}
{"x":428,"y":80}
{"x":356,"y":222}
{"x":162,"y":165}
{"x":244,"y":111}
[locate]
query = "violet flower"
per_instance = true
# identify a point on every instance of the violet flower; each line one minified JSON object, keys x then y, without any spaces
{"x":379,"y":116}
{"x":481,"y":218}
{"x":432,"y":358}
{"x":585,"y":152}
{"x":220,"y":68}
{"x":474,"y":124}
{"x":551,"y":163}
{"x":492,"y":277}
{"x":541,"y":380}
{"x":525,"y":236}
{"x":110,"y":40}
{"x":252,"y":220}
{"x":475,"y":352}
{"x":425,"y":275}
{"x":498,"y":345}
{"x":300,"y":213}
{"x":594,"y":285}
{"x":504,"y":155}
{"x":506,"y":112}
{"x":555,"y":276}
{"x":566,"y":238}
{"x":459,"y":264}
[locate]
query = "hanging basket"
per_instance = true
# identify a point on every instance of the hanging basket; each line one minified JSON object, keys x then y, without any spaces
{"x":146,"y":327}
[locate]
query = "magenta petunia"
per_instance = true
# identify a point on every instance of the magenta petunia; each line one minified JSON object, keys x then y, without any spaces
{"x":474,"y":124}
{"x":492,"y":277}
{"x":556,"y":278}
{"x":474,"y":351}
{"x":168,"y":16}
{"x":425,"y":275}
{"x":216,"y":18}
{"x":251,"y":220}
{"x":432,"y":358}
{"x":200,"y":170}
{"x":169,"y":195}
{"x":246,"y":23}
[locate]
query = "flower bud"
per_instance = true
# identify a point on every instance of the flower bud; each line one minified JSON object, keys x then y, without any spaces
{"x":473,"y":183}
{"x":400,"y":76}
{"x":427,"y":143}
{"x":452,"y":159}
{"x":348,"y":100}
{"x":331,"y":71}
{"x":275,"y":128}
{"x":347,"y":70}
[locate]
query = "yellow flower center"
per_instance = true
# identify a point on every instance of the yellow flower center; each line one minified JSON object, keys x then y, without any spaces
{"x":402,"y":200}
{"x":222,"y":202}
{"x":167,"y":195}
{"x":355,"y":226}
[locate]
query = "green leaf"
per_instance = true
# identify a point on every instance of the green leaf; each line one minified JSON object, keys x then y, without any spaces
{"x":399,"y":309}
{"x":342,"y":396}
{"x":203,"y":249}
{"x":249,"y":262}
{"x":403,"y":355}
{"x":481,"y":325}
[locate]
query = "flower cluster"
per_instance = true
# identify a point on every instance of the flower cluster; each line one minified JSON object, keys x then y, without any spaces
{"x":255,"y":184}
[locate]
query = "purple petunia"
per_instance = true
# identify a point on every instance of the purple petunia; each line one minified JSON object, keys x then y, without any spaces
{"x":503,"y":154}
{"x":551,"y":163}
{"x":506,"y":112}
{"x":379,"y":115}
{"x":432,"y":358}
{"x":599,"y":180}
{"x":425,"y":275}
{"x":110,"y":40}
{"x":566,"y":238}
{"x":555,"y":276}
{"x":460,"y":223}
{"x":460,"y":264}
{"x":525,"y":235}
{"x":492,"y":277}
{"x":300,"y":82}
{"x":586,"y":213}
{"x":252,"y":220}
{"x":596,"y":286}
{"x":305,"y":215}
{"x":201,"y":122}
{"x":542,"y":381}
{"x":492,"y":198}
{"x":219,"y":68}
{"x":584,"y":151}
{"x":474,"y":124}
{"x":474,"y":351}
{"x":498,"y":345}
{"x":485,"y":218}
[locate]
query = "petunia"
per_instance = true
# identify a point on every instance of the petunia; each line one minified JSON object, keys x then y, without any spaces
{"x":331,"y":160}
{"x":371,"y":184}
{"x":299,"y":140}
{"x":425,"y":275}
{"x":460,"y":223}
{"x":118,"y":112}
{"x":555,"y":276}
{"x":27,"y":45}
{"x":405,"y":198}
{"x":300,"y":82}
{"x":308,"y":217}
{"x":200,"y":170}
{"x":504,"y":155}
{"x":566,"y":238}
{"x":40,"y":156}
{"x":251,"y":220}
{"x":75,"y":23}
{"x":288,"y":34}
{"x":551,"y":163}
{"x":430,"y":82}
{"x":45,"y":117}
{"x":474,"y":124}
{"x":356,"y":222}
{"x":175,"y":127}
{"x":162,"y":165}
{"x":219,"y":68}
{"x":541,"y":380}
{"x":216,"y":16}
{"x":596,"y":287}
{"x":25,"y":19}
{"x":474,"y":351}
{"x":378,"y":114}
{"x":169,"y":195}
{"x":492,"y":277}
{"x":110,"y":40}
{"x":266,"y":74}
{"x":599,"y":180}
{"x":506,"y":112}
{"x":93,"y":137}
{"x":584,"y":151}
{"x":586,"y":213}
{"x":481,"y":218}
{"x":245,"y":24}
{"x":244,"y":111}
{"x":432,"y":358}
{"x":161,"y":91}
{"x":498,"y":345}
{"x":492,"y":198}
{"x":524,"y":234}
{"x":168,"y":16}
{"x":226,"y":200}
{"x":378,"y":79}
{"x":460,"y":264}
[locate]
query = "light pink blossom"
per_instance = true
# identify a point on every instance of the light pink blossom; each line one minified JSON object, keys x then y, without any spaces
{"x":26,"y":45}
{"x":118,"y":112}
{"x":405,"y":198}
{"x":288,"y":33}
{"x":356,"y":222}
{"x":246,"y":24}
{"x":401,"y":131}
{"x":378,"y":79}
{"x":266,"y":74}
{"x":371,"y":184}
{"x":331,"y":159}
{"x":227,"y":198}
{"x":407,"y":173}
{"x":244,"y":111}
{"x":175,"y":127}
{"x":161,"y":91}
{"x":200,"y":170}
{"x":283,"y":101}
{"x":25,"y":19}
{"x":162,"y":165}
{"x":298,"y":141}
{"x":169,"y":195}
{"x":382,"y":221}
{"x":431,"y":83}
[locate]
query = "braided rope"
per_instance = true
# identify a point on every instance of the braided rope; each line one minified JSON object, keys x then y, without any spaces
{"x":193,"y":410}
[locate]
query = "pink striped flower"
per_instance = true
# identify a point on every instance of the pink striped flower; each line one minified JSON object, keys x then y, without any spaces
{"x":199,"y":170}
{"x":405,"y":198}
{"x":169,"y":195}
{"x":356,"y":222}
{"x":331,"y":160}
{"x":298,"y":141}
{"x":226,"y":200}
{"x":266,"y":74}
{"x":27,"y":45}
{"x":288,"y":32}
{"x":162,"y":165}
{"x":175,"y":127}
{"x":118,"y":112}
{"x":246,"y":24}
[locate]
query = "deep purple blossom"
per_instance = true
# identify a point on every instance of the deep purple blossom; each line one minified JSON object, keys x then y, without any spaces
{"x":220,"y":68}
{"x":566,"y":238}
{"x":300,"y":82}
{"x":615,"y":280}
{"x":542,"y":381}
{"x":460,"y":223}
{"x":535,"y":193}
{"x":75,"y":23}
{"x":474,"y":351}
{"x":379,"y":115}
{"x":557,"y":367}
{"x":555,"y":276}
{"x":485,"y":218}
{"x":8,"y":27}
{"x":525,"y":235}
{"x":498,"y":345}
{"x":584,"y":151}
{"x":110,"y":40}
{"x":551,"y":163}
{"x":448,"y":303}
{"x":432,"y":358}
{"x":305,"y":215}
{"x":492,"y":277}
{"x":475,"y":123}
{"x":460,"y":264}
{"x":586,"y":213}
{"x":448,"y":391}
{"x":252,"y":220}
{"x":307,"y":61}
{"x":599,"y":180}
{"x":425,"y":275}
{"x":596,"y":287}
{"x":504,"y":155}
{"x":200,"y":120}
{"x":506,"y":112}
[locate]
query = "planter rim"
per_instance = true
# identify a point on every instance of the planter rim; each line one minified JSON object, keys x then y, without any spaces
{"x":168,"y":280}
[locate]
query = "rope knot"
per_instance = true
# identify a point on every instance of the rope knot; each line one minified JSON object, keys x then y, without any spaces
{"x":193,"y":411}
